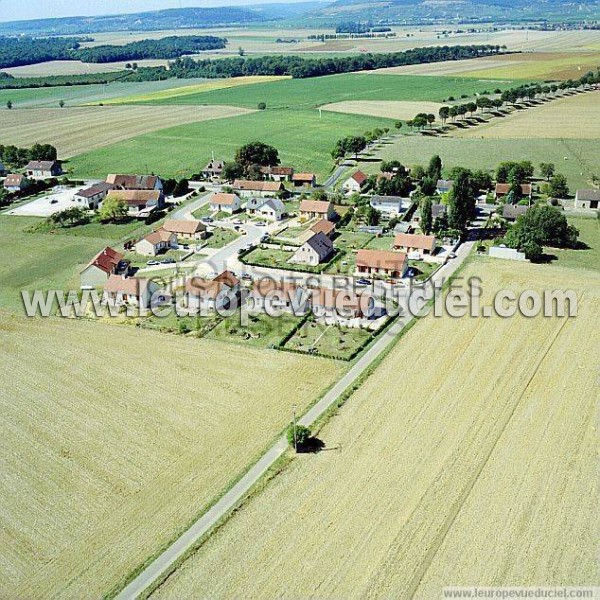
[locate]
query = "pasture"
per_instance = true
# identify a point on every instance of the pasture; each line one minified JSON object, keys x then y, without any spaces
{"x":434,"y":458}
{"x":104,"y":461}
{"x":303,"y":139}
{"x":80,"y":129}
{"x":571,"y":117}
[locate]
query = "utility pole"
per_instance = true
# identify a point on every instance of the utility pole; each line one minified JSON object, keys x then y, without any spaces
{"x":294,"y":426}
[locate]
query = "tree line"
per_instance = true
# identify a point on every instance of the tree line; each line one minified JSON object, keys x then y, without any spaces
{"x":18,"y":51}
{"x":16,"y":158}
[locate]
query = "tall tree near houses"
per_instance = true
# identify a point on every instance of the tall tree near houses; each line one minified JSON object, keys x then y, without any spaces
{"x":434,"y":170}
{"x":547,"y":170}
{"x":462,"y":201}
{"x":426,"y":215}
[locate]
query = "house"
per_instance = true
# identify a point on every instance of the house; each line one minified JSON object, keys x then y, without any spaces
{"x":228,"y":203}
{"x":354,"y":183}
{"x":510,"y":212}
{"x":443,"y":186}
{"x":272,"y":297}
{"x":129,"y":290}
{"x":391,"y":206}
{"x":587,"y":199}
{"x":272,"y":210}
{"x":213,"y":170}
{"x":277,"y":173}
{"x":502,"y":190}
{"x":304,"y":179}
{"x":16,"y":183}
{"x":253,"y":204}
{"x":410,"y":242}
{"x":311,"y":209}
{"x":140,"y":203}
{"x":403,"y":227}
{"x":43,"y":169}
{"x":327,"y":303}
{"x":245,"y":188}
{"x":381,"y":262}
{"x":135,"y":182}
{"x":156,"y":242}
{"x":204,"y":295}
{"x":91,"y":197}
{"x":186,"y":230}
{"x":325,"y":227}
{"x":316,"y":250}
{"x":106,"y":263}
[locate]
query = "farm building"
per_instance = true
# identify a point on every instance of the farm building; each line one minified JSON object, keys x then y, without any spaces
{"x":43,"y":169}
{"x":135,"y":182}
{"x":228,"y":203}
{"x":213,"y":171}
{"x":410,"y":242}
{"x":106,"y":263}
{"x":156,"y":242}
{"x":277,"y":173}
{"x":354,"y":183}
{"x":311,"y":209}
{"x":246,"y":189}
{"x":130,"y":290}
{"x":274,"y":297}
{"x":304,"y":179}
{"x":272,"y":209}
{"x":391,"y":206}
{"x":92,"y":196}
{"x":587,"y":199}
{"x":316,"y":250}
{"x":381,"y":262}
{"x":186,"y":230}
{"x":502,"y":190}
{"x":140,"y":203}
{"x":510,"y":212}
{"x":16,"y":183}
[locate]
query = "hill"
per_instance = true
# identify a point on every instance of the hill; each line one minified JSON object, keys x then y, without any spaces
{"x":176,"y":18}
{"x":425,"y":11}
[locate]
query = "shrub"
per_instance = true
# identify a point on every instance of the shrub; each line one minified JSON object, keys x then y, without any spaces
{"x":303,"y":435}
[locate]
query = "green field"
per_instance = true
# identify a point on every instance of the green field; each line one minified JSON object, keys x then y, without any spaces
{"x":308,"y":93}
{"x":589,"y":234}
{"x":304,"y":140}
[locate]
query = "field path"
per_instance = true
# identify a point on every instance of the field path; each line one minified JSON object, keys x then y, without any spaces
{"x":166,"y":561}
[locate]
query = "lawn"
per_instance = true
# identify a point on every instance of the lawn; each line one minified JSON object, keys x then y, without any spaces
{"x":439,"y":472}
{"x":312,"y":92}
{"x":220,"y":237}
{"x":261,"y":331}
{"x":303,"y":139}
{"x":589,"y":234}
{"x":41,"y":261}
{"x":279,"y":259}
{"x":328,"y":340}
{"x":114,"y":439}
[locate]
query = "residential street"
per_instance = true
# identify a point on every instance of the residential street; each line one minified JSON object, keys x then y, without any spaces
{"x":229,"y":500}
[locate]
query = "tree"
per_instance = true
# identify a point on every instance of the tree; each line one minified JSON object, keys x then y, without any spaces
{"x":71,"y":216}
{"x":444,"y":113}
{"x":471,"y":107}
{"x":9,"y":104}
{"x":61,"y":104}
{"x":298,"y":435}
{"x":182,"y":188}
{"x":426,"y":215}
{"x":558,"y":186}
{"x":547,"y":170}
{"x":241,"y":51}
{"x":262,"y":106}
{"x":372,"y":216}
{"x":453,"y":112}
{"x":462,"y":201}
{"x":256,"y":153}
{"x":434,"y":170}
{"x":232,"y":170}
{"x":398,"y":125}
{"x":320,"y":195}
{"x":113,"y":209}
{"x":430,"y":119}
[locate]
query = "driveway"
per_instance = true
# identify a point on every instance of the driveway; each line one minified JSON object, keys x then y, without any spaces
{"x":59,"y":198}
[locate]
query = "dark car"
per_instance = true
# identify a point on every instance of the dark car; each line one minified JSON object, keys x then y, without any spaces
{"x":363,"y":281}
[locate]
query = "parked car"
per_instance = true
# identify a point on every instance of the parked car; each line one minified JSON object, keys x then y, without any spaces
{"x":452,"y":255}
{"x":363,"y":281}
{"x":152,"y":263}
{"x":265,"y":238}
{"x":207,"y":220}
{"x":261,"y":224}
{"x":247,"y":277}
{"x":238,"y":222}
{"x":167,"y":261}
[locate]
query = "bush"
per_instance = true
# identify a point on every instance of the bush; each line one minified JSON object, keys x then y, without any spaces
{"x":303,"y":435}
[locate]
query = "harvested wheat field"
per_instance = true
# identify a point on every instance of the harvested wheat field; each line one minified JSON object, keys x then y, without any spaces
{"x":468,"y":457}
{"x":572,"y":117}
{"x":113,"y":440}
{"x":80,"y":129}
{"x":76,"y":67}
{"x":177,"y":92}
{"x":387,"y":109}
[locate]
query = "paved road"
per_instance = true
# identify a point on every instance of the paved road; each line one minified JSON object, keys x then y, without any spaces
{"x":185,"y":212}
{"x":219,"y":510}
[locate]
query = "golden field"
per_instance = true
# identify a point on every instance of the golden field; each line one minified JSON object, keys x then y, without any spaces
{"x":381,"y":108}
{"x":113,"y":439}
{"x":571,"y":117}
{"x":75,"y":130}
{"x":473,"y":438}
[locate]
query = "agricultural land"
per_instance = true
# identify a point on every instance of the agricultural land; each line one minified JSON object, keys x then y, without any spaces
{"x":490,"y":452}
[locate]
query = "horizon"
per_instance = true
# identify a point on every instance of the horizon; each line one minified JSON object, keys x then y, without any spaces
{"x":16,"y":10}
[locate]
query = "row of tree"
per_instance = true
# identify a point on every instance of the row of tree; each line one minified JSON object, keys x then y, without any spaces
{"x":16,"y":158}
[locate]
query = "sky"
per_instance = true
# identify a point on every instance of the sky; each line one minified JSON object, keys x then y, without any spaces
{"x":15,"y":10}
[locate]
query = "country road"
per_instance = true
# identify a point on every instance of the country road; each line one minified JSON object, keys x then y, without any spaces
{"x":153,"y":572}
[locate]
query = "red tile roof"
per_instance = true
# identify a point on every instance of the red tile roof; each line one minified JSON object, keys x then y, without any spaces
{"x":106,"y":260}
{"x":411,"y":240}
{"x":381,"y":259}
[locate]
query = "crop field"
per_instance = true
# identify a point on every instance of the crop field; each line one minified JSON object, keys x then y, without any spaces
{"x":312,"y":92}
{"x":576,"y":117}
{"x":75,"y":67}
{"x":303,"y":139}
{"x":528,"y":65}
{"x":432,"y":459}
{"x":80,"y":129}
{"x":104,"y":462}
{"x":390,"y":109}
{"x":577,"y":159}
